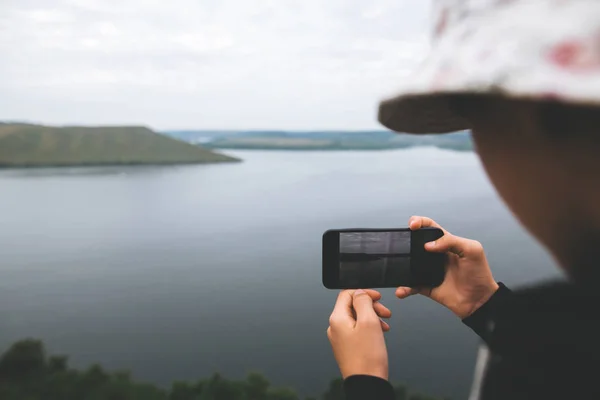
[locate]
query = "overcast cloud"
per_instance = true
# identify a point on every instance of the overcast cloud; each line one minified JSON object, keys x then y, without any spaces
{"x":225,"y":64}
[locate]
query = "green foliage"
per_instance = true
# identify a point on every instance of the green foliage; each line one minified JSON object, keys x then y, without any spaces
{"x":24,"y":361}
{"x":24,"y":145}
{"x":27,"y":373}
{"x":400,"y":392}
{"x":183,"y":391}
{"x":282,"y":394}
{"x":219,"y":388}
{"x":335,"y":391}
{"x":57,"y":363}
{"x":256,"y":386}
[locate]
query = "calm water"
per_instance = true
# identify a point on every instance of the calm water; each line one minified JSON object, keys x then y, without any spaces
{"x":177,"y":272}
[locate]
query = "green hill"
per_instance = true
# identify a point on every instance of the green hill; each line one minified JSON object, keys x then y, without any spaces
{"x":24,"y":145}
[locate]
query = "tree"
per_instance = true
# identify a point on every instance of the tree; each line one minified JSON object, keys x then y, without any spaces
{"x":57,"y":363}
{"x":335,"y":390}
{"x":27,"y":374}
{"x":61,"y":385}
{"x":23,"y":360}
{"x":219,"y":388}
{"x":400,"y":392}
{"x":122,"y":376}
{"x":183,"y":391}
{"x":282,"y":394}
{"x":256,"y":386}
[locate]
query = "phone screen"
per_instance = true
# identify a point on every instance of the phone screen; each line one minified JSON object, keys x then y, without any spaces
{"x":379,"y":258}
{"x":374,"y":259}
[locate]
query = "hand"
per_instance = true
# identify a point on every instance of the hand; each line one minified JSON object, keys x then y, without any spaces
{"x":468,"y":283}
{"x":356,"y":333}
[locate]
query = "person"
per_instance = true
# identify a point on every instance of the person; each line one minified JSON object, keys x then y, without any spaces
{"x":524,"y":77}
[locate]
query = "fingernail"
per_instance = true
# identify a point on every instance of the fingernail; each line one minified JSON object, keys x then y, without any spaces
{"x":430,"y":244}
{"x":358,"y":292}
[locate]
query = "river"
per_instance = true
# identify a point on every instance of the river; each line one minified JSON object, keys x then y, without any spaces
{"x":178,"y":272}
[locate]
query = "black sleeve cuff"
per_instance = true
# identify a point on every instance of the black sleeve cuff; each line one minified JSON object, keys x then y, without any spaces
{"x":480,"y":320}
{"x":361,"y":387}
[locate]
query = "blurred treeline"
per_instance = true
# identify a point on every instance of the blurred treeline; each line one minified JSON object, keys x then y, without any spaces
{"x":27,"y":373}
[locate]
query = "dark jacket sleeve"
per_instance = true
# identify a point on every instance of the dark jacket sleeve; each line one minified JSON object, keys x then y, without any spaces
{"x":362,"y":387}
{"x":481,"y":319}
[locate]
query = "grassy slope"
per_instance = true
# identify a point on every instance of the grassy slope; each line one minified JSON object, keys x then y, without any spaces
{"x":35,"y":145}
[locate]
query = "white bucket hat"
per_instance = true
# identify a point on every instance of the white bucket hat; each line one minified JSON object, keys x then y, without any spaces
{"x":525,"y":49}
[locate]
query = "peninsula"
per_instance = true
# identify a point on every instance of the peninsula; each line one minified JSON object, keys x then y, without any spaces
{"x":29,"y":145}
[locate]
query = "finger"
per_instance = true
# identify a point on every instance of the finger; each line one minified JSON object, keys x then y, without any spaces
{"x":385,"y":326}
{"x":375,"y":295}
{"x":403,"y":292}
{"x":418,"y":222}
{"x":455,"y":244}
{"x":343,"y":314}
{"x":363,"y":305}
{"x":381,"y":310}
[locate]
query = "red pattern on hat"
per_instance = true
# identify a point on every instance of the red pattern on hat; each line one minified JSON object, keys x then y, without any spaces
{"x":576,"y":55}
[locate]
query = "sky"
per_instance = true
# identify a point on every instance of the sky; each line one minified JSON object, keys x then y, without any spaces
{"x":207,"y":64}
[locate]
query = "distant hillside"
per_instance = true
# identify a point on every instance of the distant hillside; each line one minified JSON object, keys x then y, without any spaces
{"x":35,"y":145}
{"x":321,"y":140}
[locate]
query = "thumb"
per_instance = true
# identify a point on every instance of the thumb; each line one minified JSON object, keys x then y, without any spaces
{"x":453,"y":244}
{"x":363,"y":306}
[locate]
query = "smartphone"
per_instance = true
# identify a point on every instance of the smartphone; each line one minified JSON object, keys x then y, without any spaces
{"x":380,"y":258}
